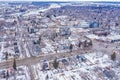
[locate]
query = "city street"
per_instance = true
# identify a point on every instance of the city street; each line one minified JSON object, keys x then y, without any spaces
{"x":97,"y":47}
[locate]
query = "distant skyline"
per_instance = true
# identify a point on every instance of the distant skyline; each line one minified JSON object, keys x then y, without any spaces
{"x":64,"y":0}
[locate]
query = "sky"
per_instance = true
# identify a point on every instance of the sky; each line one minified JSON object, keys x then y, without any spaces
{"x":64,"y":0}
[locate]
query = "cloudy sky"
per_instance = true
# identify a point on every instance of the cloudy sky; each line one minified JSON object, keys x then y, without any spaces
{"x":62,"y":0}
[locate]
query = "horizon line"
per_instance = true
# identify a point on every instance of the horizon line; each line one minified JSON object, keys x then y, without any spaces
{"x":58,"y":1}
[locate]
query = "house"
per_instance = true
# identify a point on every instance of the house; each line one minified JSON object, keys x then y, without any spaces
{"x":64,"y":31}
{"x":16,"y":49}
{"x":94,"y":24}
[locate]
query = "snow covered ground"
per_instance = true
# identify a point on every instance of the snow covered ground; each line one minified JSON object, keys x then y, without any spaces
{"x":22,"y":73}
{"x":109,"y":38}
{"x":3,"y":52}
{"x":92,"y":69}
{"x":35,"y":12}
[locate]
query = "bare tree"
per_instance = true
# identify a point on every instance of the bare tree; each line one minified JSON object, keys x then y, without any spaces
{"x":71,"y":47}
{"x":55,"y":63}
{"x":14,"y":64}
{"x":113,"y":56}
